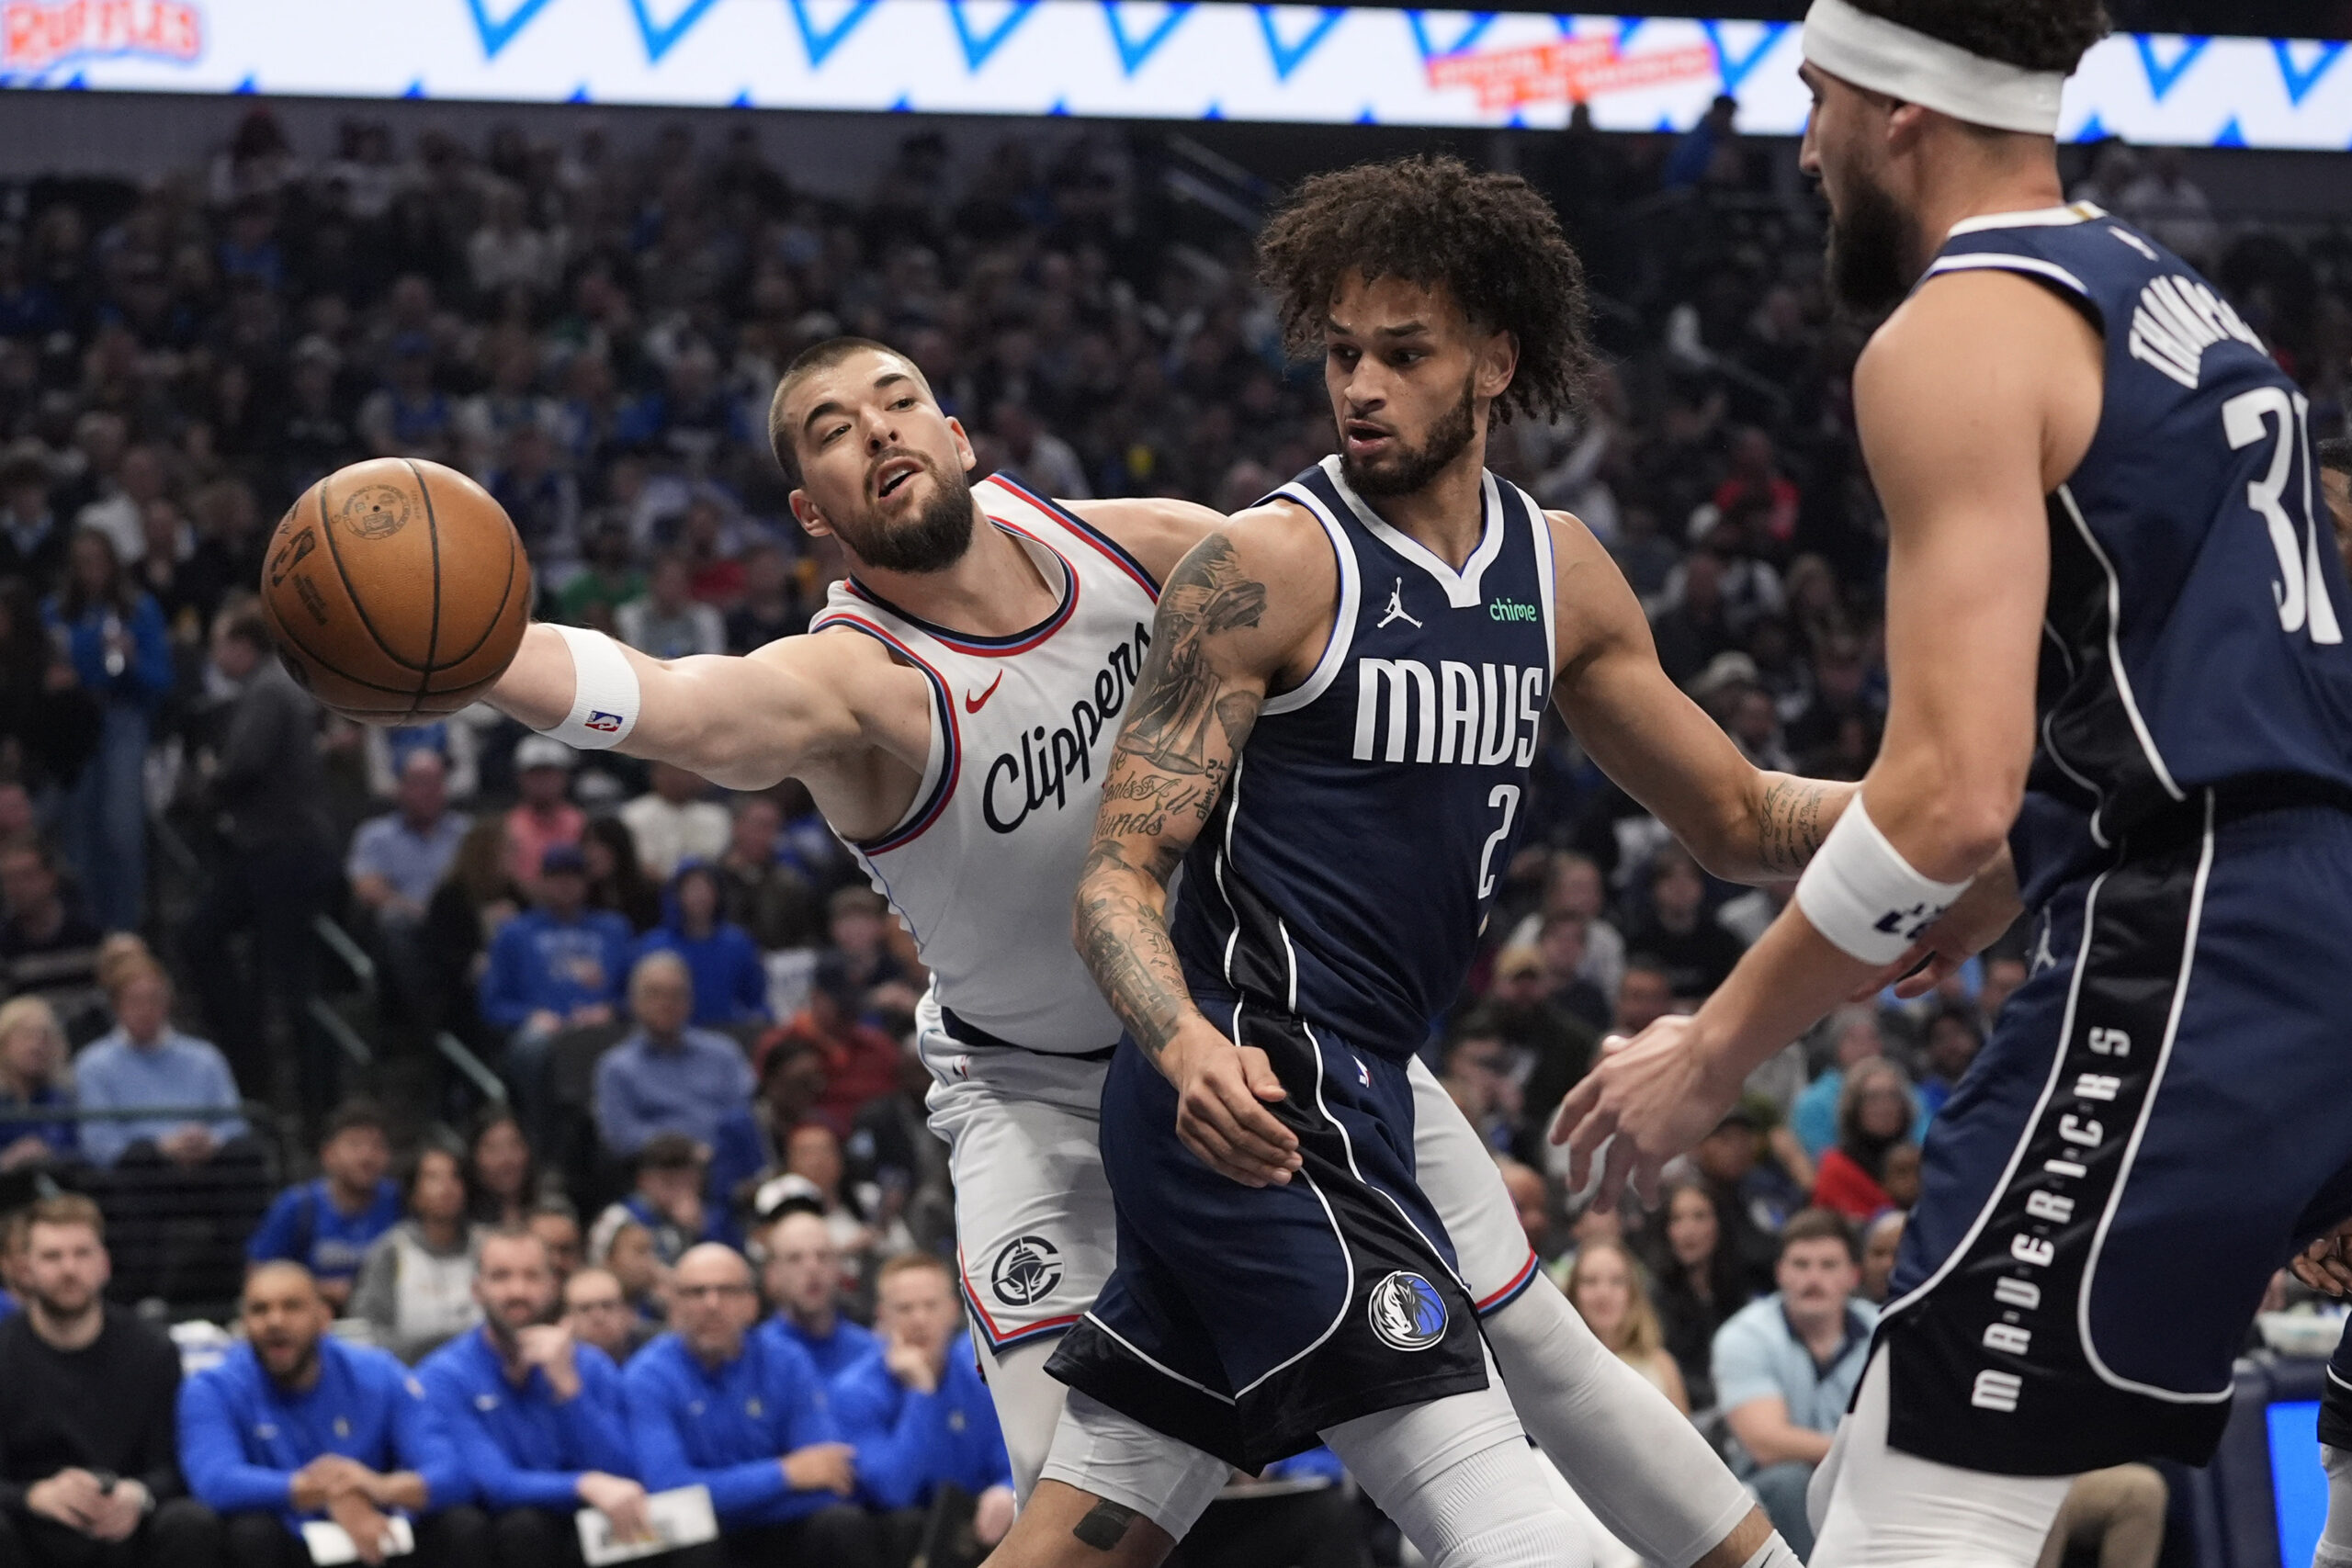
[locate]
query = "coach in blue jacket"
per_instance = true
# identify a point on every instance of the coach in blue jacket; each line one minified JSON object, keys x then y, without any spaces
{"x":916,"y":1410}
{"x":293,"y":1426}
{"x":538,"y":1420}
{"x":712,"y":1404}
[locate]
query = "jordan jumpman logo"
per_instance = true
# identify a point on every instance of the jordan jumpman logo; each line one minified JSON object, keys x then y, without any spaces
{"x":1396,"y":607}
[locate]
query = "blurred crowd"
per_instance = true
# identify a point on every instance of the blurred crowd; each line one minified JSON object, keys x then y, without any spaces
{"x":696,"y":1009}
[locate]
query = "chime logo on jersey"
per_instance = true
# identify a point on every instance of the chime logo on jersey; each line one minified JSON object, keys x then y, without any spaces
{"x":1483,"y":715}
{"x":1039,"y":773}
{"x":1406,"y":1313}
{"x":1026,"y":1271}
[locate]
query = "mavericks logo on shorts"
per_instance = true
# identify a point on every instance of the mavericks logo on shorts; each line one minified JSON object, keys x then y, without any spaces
{"x":1406,"y":1313}
{"x":1026,"y":1271}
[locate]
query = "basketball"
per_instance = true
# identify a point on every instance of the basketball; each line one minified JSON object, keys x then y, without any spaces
{"x":397,"y":590}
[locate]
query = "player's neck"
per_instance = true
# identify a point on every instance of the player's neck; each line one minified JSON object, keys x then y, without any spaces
{"x":1449,"y":513}
{"x":994,"y":590}
{"x":1978,"y":176}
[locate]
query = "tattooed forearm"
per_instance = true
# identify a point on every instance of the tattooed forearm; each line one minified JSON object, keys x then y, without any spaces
{"x":1791,"y":819}
{"x":1123,"y":938}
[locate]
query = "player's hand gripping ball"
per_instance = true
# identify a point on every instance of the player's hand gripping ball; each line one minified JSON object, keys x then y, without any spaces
{"x":397,"y":590}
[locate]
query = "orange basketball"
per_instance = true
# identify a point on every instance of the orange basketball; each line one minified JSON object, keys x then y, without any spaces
{"x":397,"y":590}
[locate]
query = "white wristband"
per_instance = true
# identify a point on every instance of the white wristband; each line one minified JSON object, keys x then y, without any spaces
{"x":1863,"y":896}
{"x":604,"y":693}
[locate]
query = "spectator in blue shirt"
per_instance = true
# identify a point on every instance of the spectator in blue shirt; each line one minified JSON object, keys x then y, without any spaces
{"x":557,"y":965}
{"x":396,"y":862}
{"x":294,"y":1425}
{"x":1786,"y":1367}
{"x":668,"y":1077}
{"x":328,"y":1224}
{"x":537,"y":1417}
{"x":804,"y":1282}
{"x":917,"y":1411}
{"x":143,"y":1061}
{"x":712,"y":1404}
{"x":730,"y":983}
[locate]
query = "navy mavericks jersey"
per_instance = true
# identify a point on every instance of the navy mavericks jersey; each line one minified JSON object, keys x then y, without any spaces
{"x":1373,"y":809}
{"x":2195,"y":628}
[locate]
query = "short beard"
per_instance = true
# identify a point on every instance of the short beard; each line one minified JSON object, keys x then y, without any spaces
{"x":1868,"y":272}
{"x":934,"y":541}
{"x":1412,"y":469}
{"x":52,"y":1310}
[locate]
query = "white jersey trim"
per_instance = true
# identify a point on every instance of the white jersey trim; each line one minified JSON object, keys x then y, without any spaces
{"x":1460,"y":587}
{"x":1343,"y":624}
{"x":1546,"y":549}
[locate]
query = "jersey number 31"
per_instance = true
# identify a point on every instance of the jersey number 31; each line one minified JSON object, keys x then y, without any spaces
{"x":2301,"y":589}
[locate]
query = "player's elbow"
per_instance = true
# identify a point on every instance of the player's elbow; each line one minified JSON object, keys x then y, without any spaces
{"x":1948,"y":832}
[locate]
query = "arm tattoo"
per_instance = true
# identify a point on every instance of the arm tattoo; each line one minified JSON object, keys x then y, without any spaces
{"x":1105,"y":1526}
{"x":1166,"y":773}
{"x":1788,"y":824}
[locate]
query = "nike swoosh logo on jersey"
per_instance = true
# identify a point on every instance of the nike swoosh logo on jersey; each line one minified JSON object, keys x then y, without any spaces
{"x":973,"y":703}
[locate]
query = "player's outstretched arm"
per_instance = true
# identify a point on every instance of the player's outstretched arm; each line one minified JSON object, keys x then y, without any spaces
{"x":743,"y":723}
{"x":1219,"y":640}
{"x":1975,"y":401}
{"x":1743,"y":823}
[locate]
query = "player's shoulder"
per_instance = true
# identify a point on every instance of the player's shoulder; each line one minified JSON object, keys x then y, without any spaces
{"x":1157,"y":531}
{"x":1971,"y":316}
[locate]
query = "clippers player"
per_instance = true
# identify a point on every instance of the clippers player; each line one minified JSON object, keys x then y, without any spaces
{"x":2115,"y":632}
{"x":952,"y":713}
{"x":1333,"y":738}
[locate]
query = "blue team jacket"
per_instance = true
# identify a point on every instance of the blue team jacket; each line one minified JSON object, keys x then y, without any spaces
{"x":910,"y":1444}
{"x":242,"y":1437}
{"x":847,"y":1345}
{"x":726,"y":1428}
{"x":522,"y":1449}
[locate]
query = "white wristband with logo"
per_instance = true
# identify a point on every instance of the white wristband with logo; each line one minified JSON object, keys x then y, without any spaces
{"x":1864,"y":897}
{"x":604,"y":694}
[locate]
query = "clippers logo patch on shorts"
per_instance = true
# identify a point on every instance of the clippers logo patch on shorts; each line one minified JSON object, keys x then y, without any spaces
{"x":1406,"y":1313}
{"x":1026,"y":1271}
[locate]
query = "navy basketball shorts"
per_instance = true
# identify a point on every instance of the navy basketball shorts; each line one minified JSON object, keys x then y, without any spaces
{"x":1244,"y":1320}
{"x":2160,"y":1118}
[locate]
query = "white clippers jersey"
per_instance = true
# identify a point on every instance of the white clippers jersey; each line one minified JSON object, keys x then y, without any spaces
{"x":983,"y":866}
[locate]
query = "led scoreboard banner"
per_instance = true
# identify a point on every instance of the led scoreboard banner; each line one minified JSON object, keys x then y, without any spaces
{"x":1122,"y":58}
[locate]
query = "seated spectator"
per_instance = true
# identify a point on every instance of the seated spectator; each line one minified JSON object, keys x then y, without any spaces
{"x":1605,"y":1286}
{"x":1481,"y":1078}
{"x":1854,"y":1037}
{"x":537,"y":1417}
{"x":146,"y":1062}
{"x":396,"y":862}
{"x":597,"y":1314}
{"x":668,"y":1077}
{"x":557,"y":1224}
{"x":1645,"y":995}
{"x":1563,"y":946}
{"x":1531,"y":1199}
{"x":1753,"y":1200}
{"x":916,"y":1409}
{"x":47,"y":947}
{"x":803,"y":1276}
{"x":667,"y":622}
{"x":294,"y":1425}
{"x":88,"y":1466}
{"x":757,"y":890}
{"x":864,"y":1227}
{"x":1786,"y":1368}
{"x":672,"y":823}
{"x":1875,"y":1113}
{"x":877,"y":977}
{"x":34,"y":1087}
{"x":1573,"y":886}
{"x":616,"y":881}
{"x":557,"y":965}
{"x":730,"y":983}
{"x":416,"y":1287}
{"x":792,"y":1082}
{"x":544,"y":817}
{"x":2116,"y":1516}
{"x":467,"y":910}
{"x":1881,"y":1243}
{"x":1955,"y":1036}
{"x":861,"y":1062}
{"x":327,"y":1225}
{"x":1699,"y":1284}
{"x":666,"y":1199}
{"x":502,"y":1176}
{"x":1697,"y":953}
{"x":712,"y":1404}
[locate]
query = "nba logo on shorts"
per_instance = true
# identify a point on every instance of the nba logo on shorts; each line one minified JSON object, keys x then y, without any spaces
{"x":603,"y":722}
{"x":1406,"y":1313}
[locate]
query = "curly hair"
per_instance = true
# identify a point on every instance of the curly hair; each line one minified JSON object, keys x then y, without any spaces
{"x":2033,"y":35}
{"x":1489,"y":240}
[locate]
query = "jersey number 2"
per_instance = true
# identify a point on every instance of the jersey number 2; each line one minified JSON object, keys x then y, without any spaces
{"x":2301,"y":589}
{"x":1506,"y":798}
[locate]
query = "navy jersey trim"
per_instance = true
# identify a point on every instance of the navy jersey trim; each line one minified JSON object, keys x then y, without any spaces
{"x":991,"y":647}
{"x":926,"y":810}
{"x":1085,"y":530}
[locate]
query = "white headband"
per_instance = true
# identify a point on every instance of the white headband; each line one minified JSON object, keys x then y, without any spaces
{"x":1886,"y":57}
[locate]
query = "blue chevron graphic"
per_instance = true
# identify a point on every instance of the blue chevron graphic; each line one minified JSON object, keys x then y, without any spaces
{"x":1472,"y":31}
{"x":2093,"y":129}
{"x":2300,"y":82}
{"x":821,"y":44}
{"x":1286,"y":57}
{"x":496,"y":35}
{"x":659,"y":39}
{"x":1133,"y":52}
{"x":977,"y":47}
{"x":1627,"y":28}
{"x":2230,"y":135}
{"x":2161,"y":77}
{"x":1734,"y":68}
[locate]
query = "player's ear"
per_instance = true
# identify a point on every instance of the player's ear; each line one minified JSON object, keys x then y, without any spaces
{"x":1497,"y":363}
{"x":805,"y":511}
{"x":964,"y":453}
